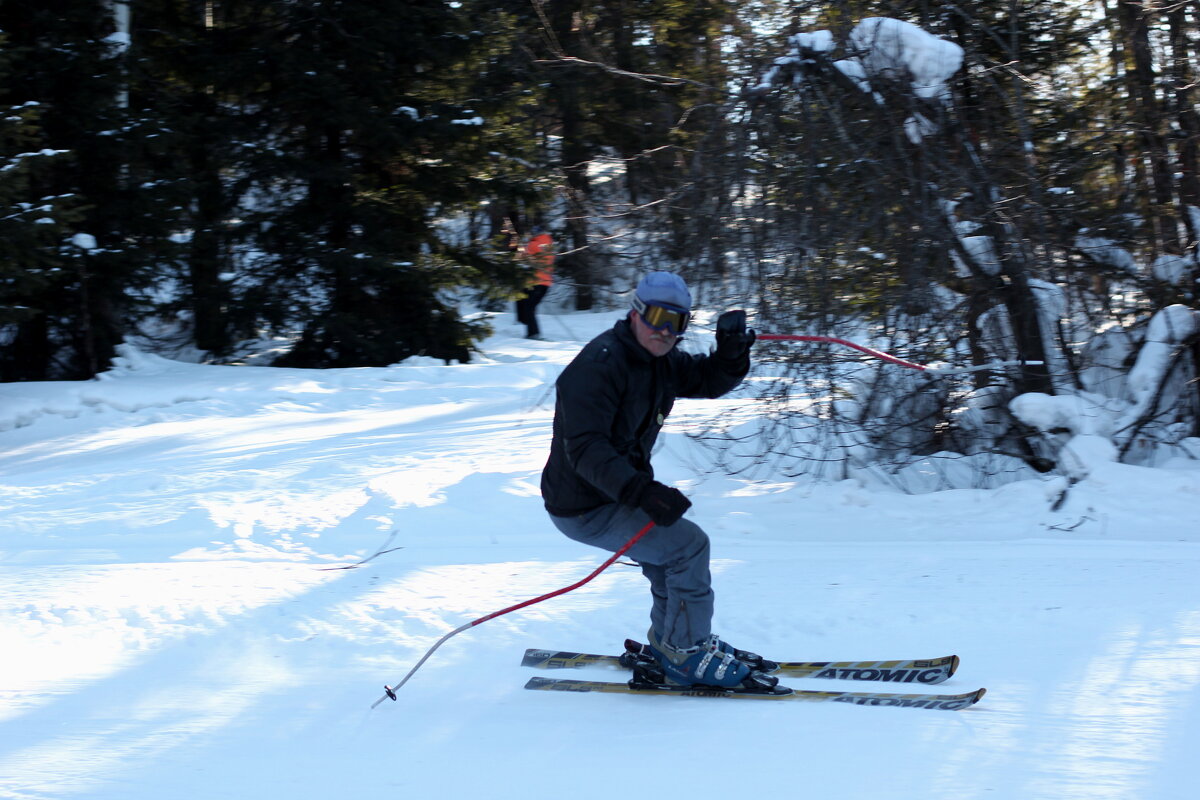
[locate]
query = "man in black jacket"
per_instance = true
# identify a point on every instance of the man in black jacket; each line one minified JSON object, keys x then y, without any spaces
{"x":598,"y":484}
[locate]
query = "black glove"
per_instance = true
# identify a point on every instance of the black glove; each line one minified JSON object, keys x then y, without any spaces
{"x":733,"y":339}
{"x":664,"y":504}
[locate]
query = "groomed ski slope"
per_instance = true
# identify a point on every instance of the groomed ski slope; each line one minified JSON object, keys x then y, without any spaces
{"x":173,"y":623}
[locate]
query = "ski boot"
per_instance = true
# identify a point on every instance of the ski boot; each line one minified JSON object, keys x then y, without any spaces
{"x":703,"y":664}
{"x":636,"y":651}
{"x":752,"y":660}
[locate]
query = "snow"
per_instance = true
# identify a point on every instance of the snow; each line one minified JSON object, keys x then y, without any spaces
{"x":1174,"y":324}
{"x":120,"y":40}
{"x":882,"y":47}
{"x":1173,"y":269}
{"x":1104,"y":251}
{"x":853,"y":69}
{"x":817,"y":41}
{"x":175,"y":623}
{"x":1128,"y":409}
{"x":918,"y":126}
{"x":84,"y":241}
{"x":983,"y":251}
{"x":902,"y":50}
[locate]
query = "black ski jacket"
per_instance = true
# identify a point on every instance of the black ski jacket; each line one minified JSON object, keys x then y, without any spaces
{"x":612,"y":400}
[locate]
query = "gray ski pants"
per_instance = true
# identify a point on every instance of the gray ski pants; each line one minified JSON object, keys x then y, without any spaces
{"x":674,"y":559}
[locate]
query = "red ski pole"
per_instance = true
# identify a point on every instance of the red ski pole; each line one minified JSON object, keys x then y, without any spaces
{"x":792,"y":337}
{"x":391,"y":690}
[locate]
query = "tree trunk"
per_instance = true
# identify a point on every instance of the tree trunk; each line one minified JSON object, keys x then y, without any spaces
{"x":205,"y":258}
{"x":1135,"y":30}
{"x":578,"y":264}
{"x":1184,"y":80}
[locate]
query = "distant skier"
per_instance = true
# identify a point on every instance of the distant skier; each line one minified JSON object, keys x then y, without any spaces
{"x":540,"y":251}
{"x":599,"y":487}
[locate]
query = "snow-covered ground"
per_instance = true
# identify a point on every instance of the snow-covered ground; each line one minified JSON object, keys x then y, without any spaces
{"x":173,"y":622}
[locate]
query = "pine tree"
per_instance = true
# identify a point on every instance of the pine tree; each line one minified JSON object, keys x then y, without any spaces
{"x":363,"y":139}
{"x":190,"y":67}
{"x":61,"y":57}
{"x":31,"y":234}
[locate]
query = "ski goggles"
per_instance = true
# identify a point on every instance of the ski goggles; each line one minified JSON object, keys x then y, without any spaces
{"x":661,"y":315}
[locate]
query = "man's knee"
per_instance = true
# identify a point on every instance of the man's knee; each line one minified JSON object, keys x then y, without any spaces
{"x":693,"y":545}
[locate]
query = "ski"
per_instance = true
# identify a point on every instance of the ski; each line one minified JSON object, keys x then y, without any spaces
{"x":928,"y":671}
{"x":937,"y":702}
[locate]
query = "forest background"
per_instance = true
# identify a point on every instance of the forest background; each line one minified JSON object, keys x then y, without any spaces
{"x":998,"y":183}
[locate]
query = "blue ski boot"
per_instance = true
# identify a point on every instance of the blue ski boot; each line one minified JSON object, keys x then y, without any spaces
{"x":751,"y":660}
{"x":706,"y":664}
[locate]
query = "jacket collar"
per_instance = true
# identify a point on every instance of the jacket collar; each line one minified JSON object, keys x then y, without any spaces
{"x":625,"y":335}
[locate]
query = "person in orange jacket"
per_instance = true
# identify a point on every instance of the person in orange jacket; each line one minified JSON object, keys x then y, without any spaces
{"x":540,"y":251}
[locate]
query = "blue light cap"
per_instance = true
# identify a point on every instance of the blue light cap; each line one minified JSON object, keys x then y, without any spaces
{"x":663,"y":288}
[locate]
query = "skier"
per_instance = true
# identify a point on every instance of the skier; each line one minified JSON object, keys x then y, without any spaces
{"x":599,"y":487}
{"x":539,"y":250}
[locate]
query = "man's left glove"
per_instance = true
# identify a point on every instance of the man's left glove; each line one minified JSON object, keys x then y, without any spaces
{"x":664,"y":504}
{"x":733,"y":338}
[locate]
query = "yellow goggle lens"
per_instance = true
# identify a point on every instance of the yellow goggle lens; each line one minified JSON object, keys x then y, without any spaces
{"x":659,"y":317}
